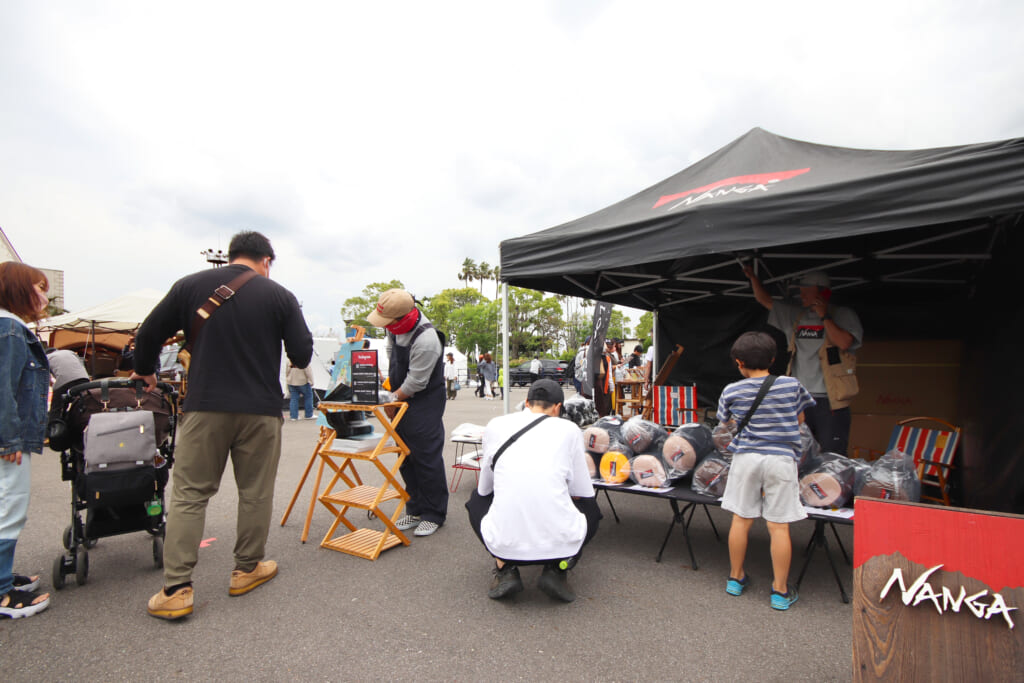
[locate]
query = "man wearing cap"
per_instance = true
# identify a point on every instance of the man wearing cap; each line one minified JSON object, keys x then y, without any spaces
{"x":822,"y":338}
{"x":535,"y":503}
{"x":416,"y":375}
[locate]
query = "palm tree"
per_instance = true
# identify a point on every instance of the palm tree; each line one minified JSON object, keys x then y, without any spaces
{"x":469,"y":271}
{"x":483,"y":272}
{"x":497,"y":280}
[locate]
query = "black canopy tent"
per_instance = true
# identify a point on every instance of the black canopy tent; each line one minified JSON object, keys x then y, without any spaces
{"x":921,"y":243}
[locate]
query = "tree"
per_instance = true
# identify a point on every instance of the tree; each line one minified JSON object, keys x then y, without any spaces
{"x":440,"y":307}
{"x":355,"y":309}
{"x":484,"y":272}
{"x":534,"y":321}
{"x":645,"y":327}
{"x":469,"y":271}
{"x":617,"y":325}
{"x":472,"y":326}
{"x":497,"y":280}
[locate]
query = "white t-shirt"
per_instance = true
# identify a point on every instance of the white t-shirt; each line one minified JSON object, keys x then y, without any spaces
{"x":533,"y":516}
{"x":810,"y":336}
{"x":450,"y":371}
{"x":535,"y":367}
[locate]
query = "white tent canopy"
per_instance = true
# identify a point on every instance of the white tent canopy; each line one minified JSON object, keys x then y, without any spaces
{"x":123,"y":314}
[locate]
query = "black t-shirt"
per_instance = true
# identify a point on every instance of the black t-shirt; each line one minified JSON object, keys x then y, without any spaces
{"x":236,"y":362}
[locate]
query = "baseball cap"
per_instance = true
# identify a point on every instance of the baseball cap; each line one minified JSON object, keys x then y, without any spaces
{"x":392,"y":305}
{"x":815,"y":278}
{"x":546,"y":390}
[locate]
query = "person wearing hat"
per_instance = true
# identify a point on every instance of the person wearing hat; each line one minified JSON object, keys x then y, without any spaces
{"x":534,"y":503}
{"x":416,"y":375}
{"x":822,"y":340}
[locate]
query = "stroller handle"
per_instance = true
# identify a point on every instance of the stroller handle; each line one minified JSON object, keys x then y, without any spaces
{"x":119,"y":383}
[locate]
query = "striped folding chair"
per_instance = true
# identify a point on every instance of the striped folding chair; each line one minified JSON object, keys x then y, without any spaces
{"x":673,"y":406}
{"x":933,"y":451}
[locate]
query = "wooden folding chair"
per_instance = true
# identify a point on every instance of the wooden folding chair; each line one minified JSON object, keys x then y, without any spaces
{"x":673,"y":406}
{"x":660,"y":379}
{"x":933,"y":451}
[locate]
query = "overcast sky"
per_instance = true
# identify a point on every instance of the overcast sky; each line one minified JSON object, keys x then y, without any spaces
{"x":373,"y":141}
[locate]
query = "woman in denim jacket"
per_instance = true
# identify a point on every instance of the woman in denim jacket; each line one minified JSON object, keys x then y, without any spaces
{"x":24,"y":381}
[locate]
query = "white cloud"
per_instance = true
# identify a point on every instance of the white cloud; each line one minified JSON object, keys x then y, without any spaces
{"x":392,"y":140}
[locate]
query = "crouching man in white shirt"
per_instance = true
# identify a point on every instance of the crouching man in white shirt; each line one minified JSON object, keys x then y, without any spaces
{"x":535,"y":503}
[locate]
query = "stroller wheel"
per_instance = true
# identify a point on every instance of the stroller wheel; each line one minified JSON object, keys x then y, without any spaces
{"x":67,"y":537}
{"x":58,"y":572}
{"x":81,"y":566}
{"x":158,"y":551}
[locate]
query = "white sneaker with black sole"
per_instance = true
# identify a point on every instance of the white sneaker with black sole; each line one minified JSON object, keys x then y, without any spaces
{"x":407,"y":522}
{"x":426,"y":528}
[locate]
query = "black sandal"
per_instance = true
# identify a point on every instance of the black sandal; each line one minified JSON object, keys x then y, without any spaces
{"x":16,"y":604}
{"x":25,"y":583}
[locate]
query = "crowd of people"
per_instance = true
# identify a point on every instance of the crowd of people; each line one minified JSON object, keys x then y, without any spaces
{"x":535,"y":502}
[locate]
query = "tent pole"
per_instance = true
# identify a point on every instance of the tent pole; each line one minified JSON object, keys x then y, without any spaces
{"x":506,"y":388}
{"x":656,"y":365}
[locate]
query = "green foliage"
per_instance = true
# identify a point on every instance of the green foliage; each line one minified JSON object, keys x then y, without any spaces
{"x":535,"y":321}
{"x":355,"y":309}
{"x":440,"y":307}
{"x":474,"y":326}
{"x":617,"y":326}
{"x":644,"y":328}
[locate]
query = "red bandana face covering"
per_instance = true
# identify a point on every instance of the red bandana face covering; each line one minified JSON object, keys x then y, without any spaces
{"x":404,"y":324}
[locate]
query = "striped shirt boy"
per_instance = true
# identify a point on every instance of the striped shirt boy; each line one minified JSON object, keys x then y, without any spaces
{"x":773,"y":428}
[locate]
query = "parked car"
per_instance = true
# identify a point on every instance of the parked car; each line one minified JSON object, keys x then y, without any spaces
{"x":550,"y":369}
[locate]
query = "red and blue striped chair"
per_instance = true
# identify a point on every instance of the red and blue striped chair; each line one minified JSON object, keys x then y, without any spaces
{"x":933,"y":451}
{"x":673,"y":406}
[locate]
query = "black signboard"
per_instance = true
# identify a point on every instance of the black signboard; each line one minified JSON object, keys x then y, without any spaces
{"x":364,"y":377}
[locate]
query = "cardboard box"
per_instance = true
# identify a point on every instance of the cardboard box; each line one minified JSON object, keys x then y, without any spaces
{"x":909,"y":379}
{"x":870,"y":434}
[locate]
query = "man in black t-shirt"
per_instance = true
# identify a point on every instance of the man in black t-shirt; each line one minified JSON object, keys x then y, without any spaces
{"x":232,"y":407}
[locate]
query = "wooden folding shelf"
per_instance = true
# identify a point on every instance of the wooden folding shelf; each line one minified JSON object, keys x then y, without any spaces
{"x":340,"y":455}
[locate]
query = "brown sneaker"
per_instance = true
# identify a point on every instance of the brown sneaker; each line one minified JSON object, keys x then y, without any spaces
{"x":243,"y":582}
{"x":174,"y":606}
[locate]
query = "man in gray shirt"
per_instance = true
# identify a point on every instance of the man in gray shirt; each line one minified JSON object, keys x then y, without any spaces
{"x":821,"y":337}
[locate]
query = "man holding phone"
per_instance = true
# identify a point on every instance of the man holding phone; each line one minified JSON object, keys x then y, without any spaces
{"x":822,"y":338}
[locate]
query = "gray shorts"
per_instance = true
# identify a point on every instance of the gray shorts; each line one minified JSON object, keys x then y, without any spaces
{"x":775,"y":476}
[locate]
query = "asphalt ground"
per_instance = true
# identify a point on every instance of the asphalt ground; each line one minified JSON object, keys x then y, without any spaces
{"x":421,"y":612}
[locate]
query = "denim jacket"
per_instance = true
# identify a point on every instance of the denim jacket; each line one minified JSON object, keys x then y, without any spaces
{"x":24,"y":383}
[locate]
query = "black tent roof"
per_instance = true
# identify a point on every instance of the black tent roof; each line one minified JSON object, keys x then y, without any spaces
{"x":919,"y":221}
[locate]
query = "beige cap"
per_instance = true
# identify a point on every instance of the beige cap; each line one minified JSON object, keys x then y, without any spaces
{"x":392,"y":305}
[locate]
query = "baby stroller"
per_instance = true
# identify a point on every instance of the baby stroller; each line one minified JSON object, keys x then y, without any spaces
{"x":117,"y":446}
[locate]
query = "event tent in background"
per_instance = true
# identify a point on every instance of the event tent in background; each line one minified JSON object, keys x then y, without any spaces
{"x":100,"y":332}
{"x":923,"y":244}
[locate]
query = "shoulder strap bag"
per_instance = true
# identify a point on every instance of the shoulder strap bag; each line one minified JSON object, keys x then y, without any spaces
{"x":202,"y":314}
{"x":765,"y":386}
{"x":512,"y":439}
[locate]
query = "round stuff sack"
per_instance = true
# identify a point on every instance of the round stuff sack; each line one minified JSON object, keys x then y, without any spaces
{"x":614,"y":467}
{"x":580,"y":410}
{"x":642,"y":434}
{"x":679,"y":453}
{"x":893,"y":477}
{"x":810,"y":451}
{"x":591,"y":467}
{"x":711,"y":476}
{"x":596,"y":440}
{"x":722,"y":436}
{"x":686,"y":447}
{"x":648,"y":470}
{"x":830,"y":484}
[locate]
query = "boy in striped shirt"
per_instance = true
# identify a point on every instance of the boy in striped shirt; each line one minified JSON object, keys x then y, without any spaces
{"x":763,"y":476}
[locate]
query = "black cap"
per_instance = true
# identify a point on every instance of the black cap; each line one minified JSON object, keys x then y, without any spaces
{"x":546,"y":390}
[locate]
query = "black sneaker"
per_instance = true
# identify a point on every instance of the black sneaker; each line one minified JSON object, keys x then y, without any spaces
{"x":555,"y":583}
{"x":506,"y":582}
